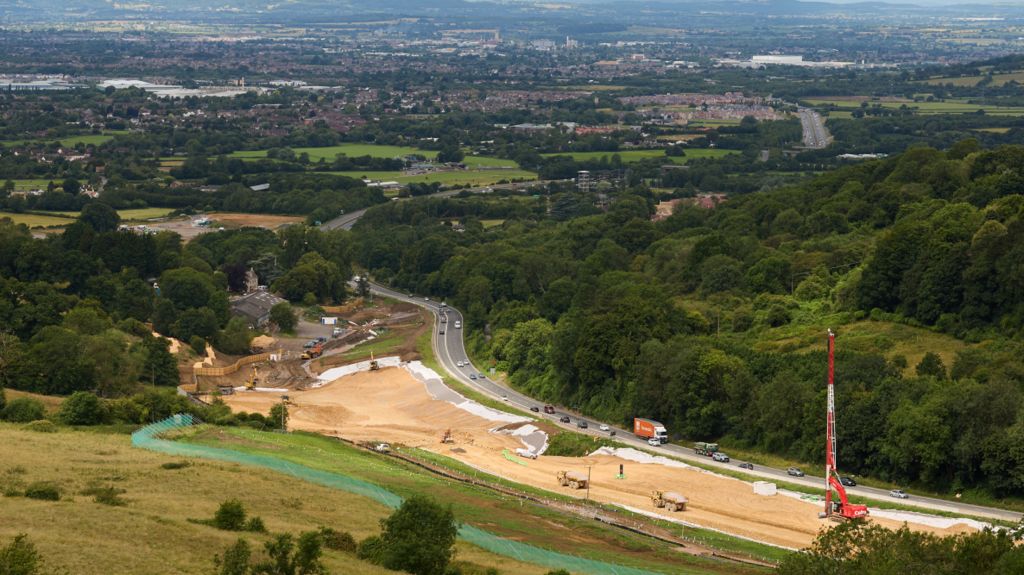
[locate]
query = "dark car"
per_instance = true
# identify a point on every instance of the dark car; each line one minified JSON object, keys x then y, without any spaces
{"x":440,"y":331}
{"x":535,"y":409}
{"x":747,"y":466}
{"x":321,"y":339}
{"x":581,"y":424}
{"x":549,"y":409}
{"x":564,"y":419}
{"x":848,"y":481}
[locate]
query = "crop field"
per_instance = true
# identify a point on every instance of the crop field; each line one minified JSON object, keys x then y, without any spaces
{"x":628,"y":156}
{"x":33,"y":184}
{"x":36,"y":220}
{"x":357,"y":150}
{"x":947,"y":107}
{"x":997,"y":80}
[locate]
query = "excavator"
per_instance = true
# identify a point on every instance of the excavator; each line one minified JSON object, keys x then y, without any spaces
{"x":374,"y":366}
{"x":250,"y":385}
{"x":841,"y":509}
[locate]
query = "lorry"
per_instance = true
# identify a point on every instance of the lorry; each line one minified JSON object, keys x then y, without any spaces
{"x":649,"y":429}
{"x":709,"y":449}
{"x":669,"y":499}
{"x":572,"y":479}
{"x":313,"y":352}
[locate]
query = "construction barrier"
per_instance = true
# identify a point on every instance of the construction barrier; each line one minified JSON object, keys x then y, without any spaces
{"x":148,"y":438}
{"x":229,"y":369}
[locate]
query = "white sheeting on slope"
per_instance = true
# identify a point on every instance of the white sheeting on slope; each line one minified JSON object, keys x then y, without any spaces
{"x":337,"y":372}
{"x":637,"y":456}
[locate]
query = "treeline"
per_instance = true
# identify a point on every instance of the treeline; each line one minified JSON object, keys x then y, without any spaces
{"x":621,"y":317}
{"x":76,"y":308}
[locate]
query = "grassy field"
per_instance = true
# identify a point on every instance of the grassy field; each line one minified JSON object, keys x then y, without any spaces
{"x":37,"y":221}
{"x":455,"y":178}
{"x":48,"y":219}
{"x":628,"y":156}
{"x":472,"y":505}
{"x":926,"y":108}
{"x":372,"y":150}
{"x":997,"y":79}
{"x":33,"y":184}
{"x":70,"y":141}
{"x":151,"y":533}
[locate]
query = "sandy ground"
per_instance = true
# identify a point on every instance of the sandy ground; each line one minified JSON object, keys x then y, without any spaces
{"x":187,"y":231}
{"x":390,"y":405}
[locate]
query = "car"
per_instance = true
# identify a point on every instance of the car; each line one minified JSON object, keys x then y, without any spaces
{"x":440,"y":331}
{"x":795,"y":472}
{"x":746,"y":465}
{"x":654,"y":442}
{"x":564,"y":419}
{"x":458,"y":325}
{"x":535,"y":409}
{"x":581,"y":424}
{"x":321,"y":339}
{"x":426,"y":299}
{"x":309,"y":344}
{"x":481,"y":376}
{"x":719,"y":456}
{"x":611,"y":433}
{"x":459,"y":363}
{"x":604,"y":427}
{"x":549,"y":409}
{"x":848,"y":481}
{"x":899,"y":494}
{"x":472,"y":376}
{"x":504,"y":397}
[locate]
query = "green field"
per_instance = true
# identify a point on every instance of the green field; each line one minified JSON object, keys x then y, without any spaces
{"x":372,"y":150}
{"x":455,"y":178}
{"x":927,"y":108}
{"x":628,"y":156}
{"x":34,"y":184}
{"x":70,"y":141}
{"x":997,"y":80}
{"x":50,"y":219}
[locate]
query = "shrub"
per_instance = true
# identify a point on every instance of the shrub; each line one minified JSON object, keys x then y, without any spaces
{"x":198,"y":345}
{"x":338,"y":540}
{"x":81,"y":408}
{"x":255,"y":524}
{"x":371,"y":549}
{"x":419,"y":537}
{"x":44,"y":490}
{"x":107,"y":495}
{"x":230,"y":516}
{"x":20,"y":557}
{"x":175,"y":465}
{"x":41,"y":426}
{"x":24,"y":410}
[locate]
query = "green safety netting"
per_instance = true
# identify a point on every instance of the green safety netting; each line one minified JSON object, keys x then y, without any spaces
{"x":148,"y":438}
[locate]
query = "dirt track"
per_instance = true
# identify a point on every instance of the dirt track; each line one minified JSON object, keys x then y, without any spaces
{"x":390,"y":405}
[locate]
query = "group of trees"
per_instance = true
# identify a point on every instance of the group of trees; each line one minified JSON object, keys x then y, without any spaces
{"x":621,"y":317}
{"x":74,"y":306}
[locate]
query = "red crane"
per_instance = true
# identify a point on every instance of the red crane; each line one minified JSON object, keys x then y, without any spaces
{"x":841,"y":509}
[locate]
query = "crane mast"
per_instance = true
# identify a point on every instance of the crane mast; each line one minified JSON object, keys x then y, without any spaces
{"x":841,"y":509}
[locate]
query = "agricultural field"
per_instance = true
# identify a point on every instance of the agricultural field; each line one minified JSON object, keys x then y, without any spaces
{"x":372,"y":150}
{"x":997,"y":80}
{"x":33,"y":184}
{"x":926,"y":108}
{"x":37,"y":220}
{"x":628,"y":156}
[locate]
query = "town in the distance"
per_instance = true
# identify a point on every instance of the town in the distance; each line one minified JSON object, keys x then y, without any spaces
{"x":451,"y":287}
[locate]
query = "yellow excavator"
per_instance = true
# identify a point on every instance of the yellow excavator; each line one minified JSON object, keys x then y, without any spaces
{"x":251,"y":384}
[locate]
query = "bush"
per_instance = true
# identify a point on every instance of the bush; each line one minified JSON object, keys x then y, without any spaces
{"x":82,"y":408}
{"x":108,"y":495}
{"x":255,"y":524}
{"x":20,"y":557}
{"x":41,"y":426}
{"x":419,"y":537}
{"x":198,"y":345}
{"x":23,"y":410}
{"x":230,"y":516}
{"x":371,"y":549}
{"x":175,"y":465}
{"x":338,"y":540}
{"x":43,"y":490}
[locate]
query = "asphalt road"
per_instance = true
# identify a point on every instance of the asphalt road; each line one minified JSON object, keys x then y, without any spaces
{"x":815,"y":134}
{"x":450,"y":349}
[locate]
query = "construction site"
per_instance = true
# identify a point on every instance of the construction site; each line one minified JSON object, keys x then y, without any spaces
{"x":396,"y":400}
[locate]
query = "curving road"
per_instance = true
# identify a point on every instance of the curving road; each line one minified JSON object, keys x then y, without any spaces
{"x":449,"y":349}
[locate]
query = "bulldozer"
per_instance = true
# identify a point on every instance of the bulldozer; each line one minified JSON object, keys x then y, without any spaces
{"x":374,"y":366}
{"x":572,"y":479}
{"x":250,"y":385}
{"x":447,"y":437}
{"x":668,"y":500}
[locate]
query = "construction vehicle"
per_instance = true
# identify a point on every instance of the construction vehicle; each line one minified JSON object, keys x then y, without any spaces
{"x":447,"y":437}
{"x":313,"y":352}
{"x":251,"y":383}
{"x":709,"y":449}
{"x":572,"y":479}
{"x":842,"y":509}
{"x":669,"y":500}
{"x":374,"y":366}
{"x":649,"y":429}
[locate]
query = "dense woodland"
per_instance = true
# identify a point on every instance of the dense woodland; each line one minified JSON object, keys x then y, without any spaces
{"x":622,"y":317}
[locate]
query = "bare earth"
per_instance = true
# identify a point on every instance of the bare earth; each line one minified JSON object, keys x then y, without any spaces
{"x":390,"y":405}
